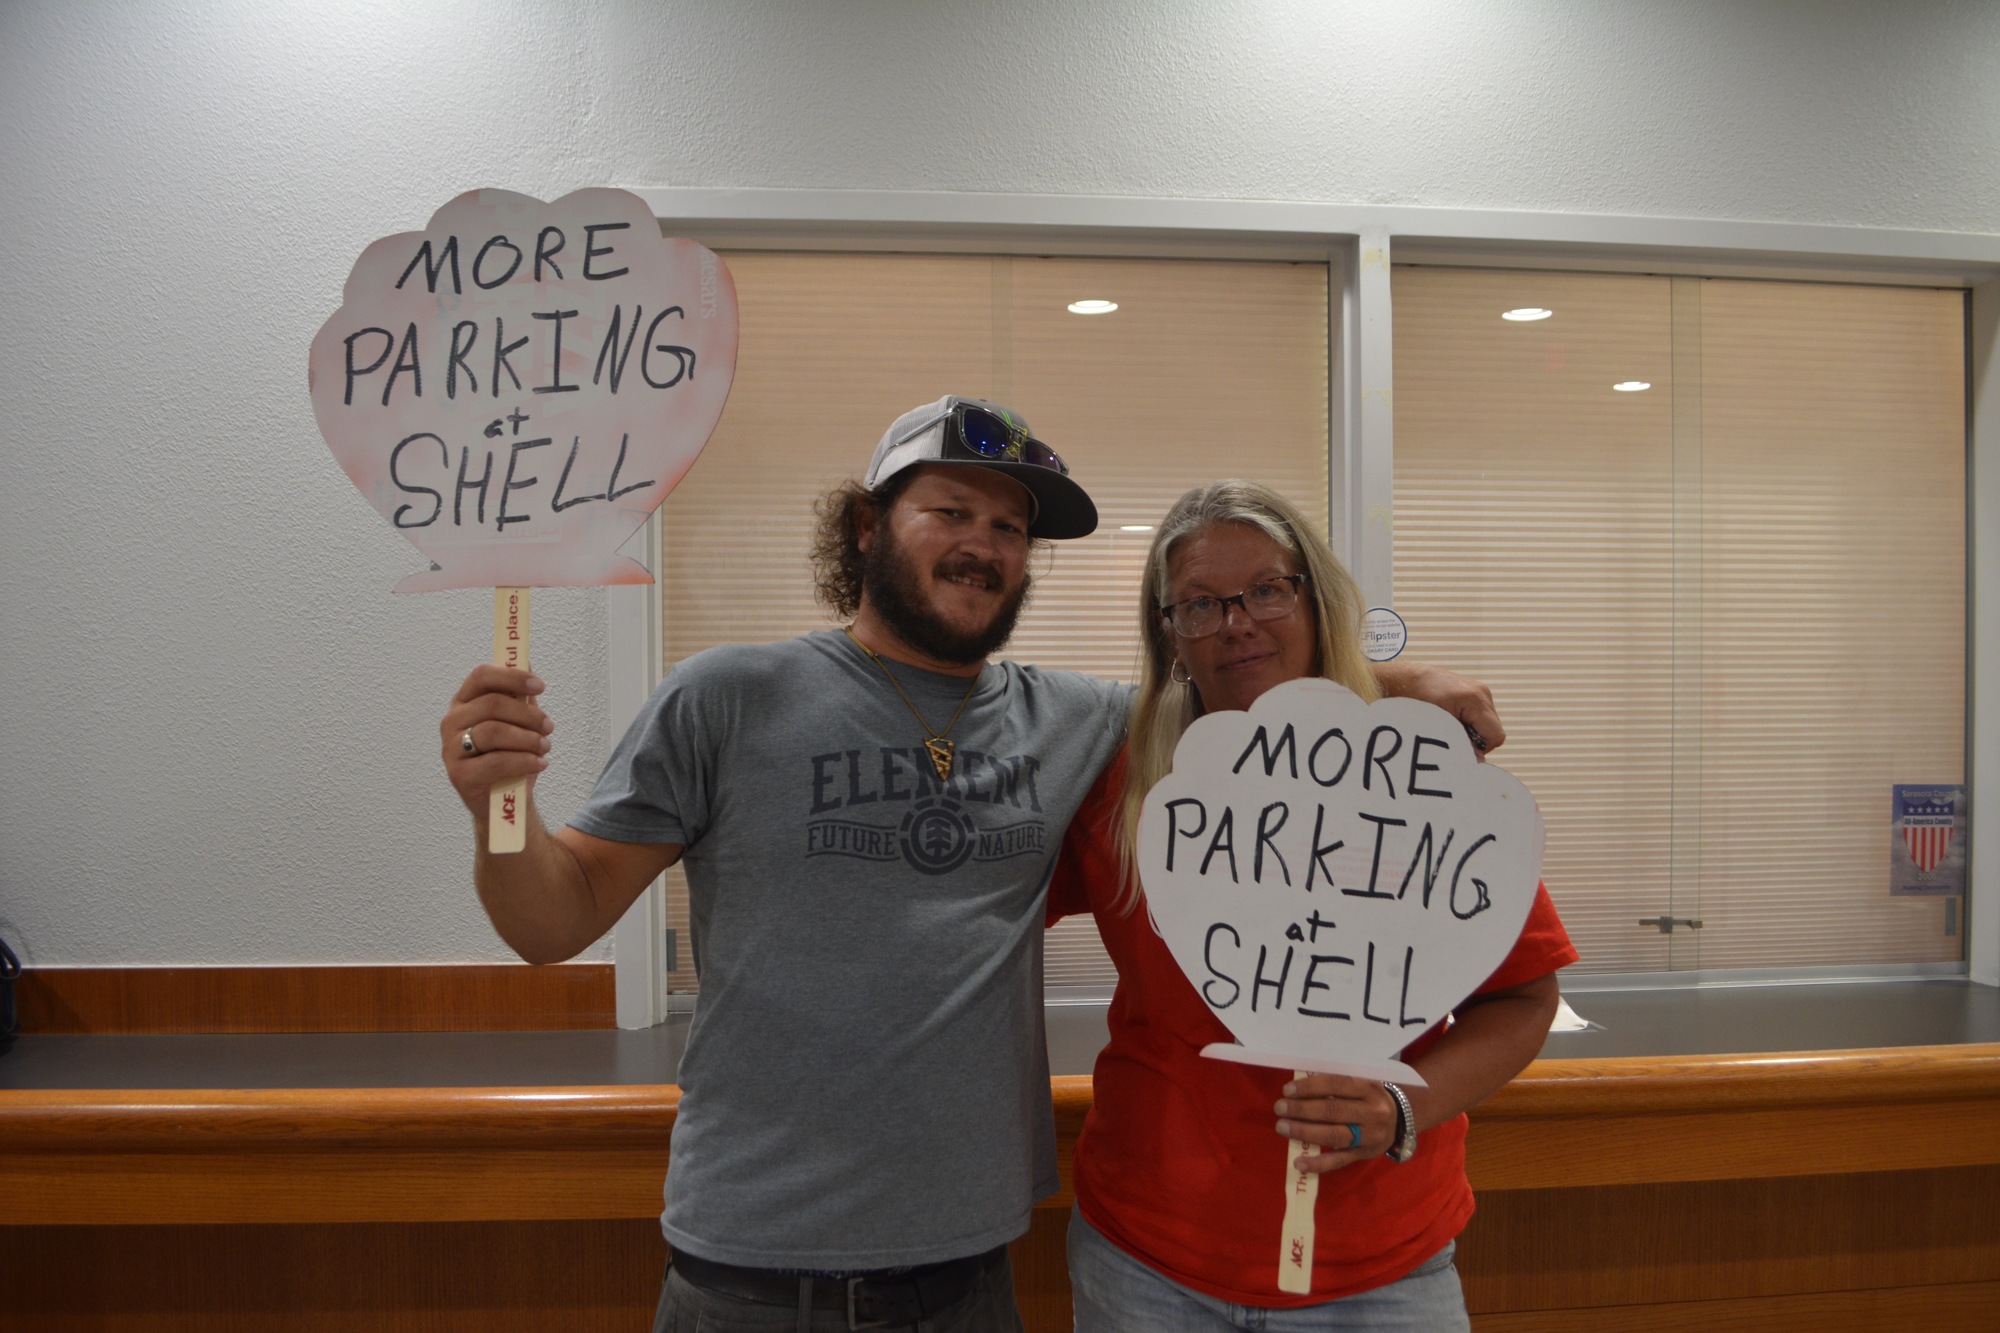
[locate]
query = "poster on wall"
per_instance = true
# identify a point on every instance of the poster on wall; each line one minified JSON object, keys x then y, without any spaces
{"x":517,"y":387}
{"x":1927,"y":840}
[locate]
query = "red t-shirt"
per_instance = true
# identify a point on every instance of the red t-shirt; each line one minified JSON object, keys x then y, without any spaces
{"x":1179,"y":1163}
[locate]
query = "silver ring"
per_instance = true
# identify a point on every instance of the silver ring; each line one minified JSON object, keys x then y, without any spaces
{"x":467,"y":744}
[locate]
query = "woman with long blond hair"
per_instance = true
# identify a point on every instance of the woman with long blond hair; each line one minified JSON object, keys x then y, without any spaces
{"x":1178,"y":1215}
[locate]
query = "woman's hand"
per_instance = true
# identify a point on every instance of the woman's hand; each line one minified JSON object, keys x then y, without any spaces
{"x":1327,"y":1109}
{"x":1495,"y":1035}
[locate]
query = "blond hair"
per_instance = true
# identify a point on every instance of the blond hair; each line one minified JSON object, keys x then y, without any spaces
{"x":1163,"y":707}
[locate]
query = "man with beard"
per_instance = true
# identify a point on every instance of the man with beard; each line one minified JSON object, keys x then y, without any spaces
{"x":867,"y":817}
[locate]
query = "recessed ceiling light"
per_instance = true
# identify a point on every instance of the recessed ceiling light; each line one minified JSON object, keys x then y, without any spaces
{"x":1135,"y":527}
{"x":1092,"y":307}
{"x":1526,"y":314}
{"x":1631,"y":386}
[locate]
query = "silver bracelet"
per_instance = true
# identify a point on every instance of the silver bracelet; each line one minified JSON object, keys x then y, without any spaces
{"x":1405,"y":1145}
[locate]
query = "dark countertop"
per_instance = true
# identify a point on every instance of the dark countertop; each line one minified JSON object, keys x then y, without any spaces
{"x":1709,"y":1020}
{"x":1765,"y":1019}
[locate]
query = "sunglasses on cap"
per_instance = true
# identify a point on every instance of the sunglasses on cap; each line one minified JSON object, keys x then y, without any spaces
{"x":977,"y":435}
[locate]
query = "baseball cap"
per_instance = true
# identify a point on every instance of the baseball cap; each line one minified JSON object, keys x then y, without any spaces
{"x":939,"y":433}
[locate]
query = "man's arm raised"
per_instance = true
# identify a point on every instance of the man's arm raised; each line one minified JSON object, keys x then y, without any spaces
{"x":559,"y":894}
{"x":1463,"y":697}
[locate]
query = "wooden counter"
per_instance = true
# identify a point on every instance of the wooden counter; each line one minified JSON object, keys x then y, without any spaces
{"x":1811,"y":1191}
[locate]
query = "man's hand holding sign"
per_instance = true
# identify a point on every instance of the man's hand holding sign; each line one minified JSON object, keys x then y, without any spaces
{"x":1333,"y":877}
{"x":515,"y":389}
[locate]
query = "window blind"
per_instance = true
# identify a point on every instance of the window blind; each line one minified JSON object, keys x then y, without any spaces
{"x":1206,"y":369}
{"x":1722,"y":615}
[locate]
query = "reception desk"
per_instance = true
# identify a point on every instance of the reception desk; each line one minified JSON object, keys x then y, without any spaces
{"x":512,"y":1179}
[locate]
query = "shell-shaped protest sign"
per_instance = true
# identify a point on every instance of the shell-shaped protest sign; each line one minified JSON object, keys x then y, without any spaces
{"x":519,"y":385}
{"x":1334,"y":876}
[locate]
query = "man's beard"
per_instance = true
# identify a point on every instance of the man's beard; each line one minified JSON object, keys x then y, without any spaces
{"x":892,"y":588}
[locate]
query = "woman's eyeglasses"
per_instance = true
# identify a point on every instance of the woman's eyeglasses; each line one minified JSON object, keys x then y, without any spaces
{"x":1199,"y":617}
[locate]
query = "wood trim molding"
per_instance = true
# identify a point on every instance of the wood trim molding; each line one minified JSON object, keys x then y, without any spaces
{"x":465,"y":1154}
{"x":1714,"y":1082}
{"x":455,"y":997}
{"x":1694,"y":1118}
{"x":235,"y":1120}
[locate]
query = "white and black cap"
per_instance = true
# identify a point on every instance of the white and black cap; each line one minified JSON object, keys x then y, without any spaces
{"x":976,"y":433}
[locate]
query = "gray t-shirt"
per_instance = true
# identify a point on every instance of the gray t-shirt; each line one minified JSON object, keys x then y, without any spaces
{"x":866,"y":1079}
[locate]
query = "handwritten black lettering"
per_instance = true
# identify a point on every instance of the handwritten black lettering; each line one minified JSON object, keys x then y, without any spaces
{"x":1347,"y":757}
{"x":559,"y":504}
{"x":1260,"y":982}
{"x":1418,"y":766}
{"x":1381,"y":761}
{"x":1224,"y":840}
{"x":1482,"y":900}
{"x":683,"y":356}
{"x":1403,"y":1018}
{"x":459,"y":351}
{"x":1368,"y":989}
{"x":1174,"y":824}
{"x":615,"y":491}
{"x":447,"y":255}
{"x":509,"y":486}
{"x":591,"y":249}
{"x":437,"y":500}
{"x":502,"y":349}
{"x":546,"y":253}
{"x":1288,"y":745}
{"x":1311,"y":985}
{"x":406,"y":360}
{"x":608,"y":349}
{"x":458,"y":497}
{"x":1431,"y":866}
{"x":1215,"y":973}
{"x":555,"y":384}
{"x":388,"y":346}
{"x":479,"y":262}
{"x":1382,"y":823}
{"x":1266,"y":832}
{"x":1317,"y":865}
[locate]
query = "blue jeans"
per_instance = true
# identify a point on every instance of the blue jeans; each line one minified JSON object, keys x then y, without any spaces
{"x":1115,"y":1293}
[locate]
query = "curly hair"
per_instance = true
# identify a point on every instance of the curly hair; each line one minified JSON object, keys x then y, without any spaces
{"x":837,"y":559}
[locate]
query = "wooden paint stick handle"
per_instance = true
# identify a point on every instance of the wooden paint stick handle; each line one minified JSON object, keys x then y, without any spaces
{"x":506,"y":816}
{"x":1295,"y":1253}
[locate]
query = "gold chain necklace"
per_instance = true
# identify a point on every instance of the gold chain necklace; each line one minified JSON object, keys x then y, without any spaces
{"x":934,"y":739}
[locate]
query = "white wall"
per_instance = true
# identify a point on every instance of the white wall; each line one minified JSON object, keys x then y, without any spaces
{"x":218,"y":728}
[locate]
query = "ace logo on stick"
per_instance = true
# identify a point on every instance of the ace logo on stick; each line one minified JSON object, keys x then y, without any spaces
{"x":517,"y":387}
